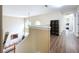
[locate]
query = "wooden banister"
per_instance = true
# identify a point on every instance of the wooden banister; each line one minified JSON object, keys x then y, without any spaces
{"x":11,"y":49}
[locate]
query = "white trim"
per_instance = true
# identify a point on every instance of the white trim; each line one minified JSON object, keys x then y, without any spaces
{"x":41,"y":27}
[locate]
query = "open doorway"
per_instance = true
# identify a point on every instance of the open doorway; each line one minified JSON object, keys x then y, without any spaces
{"x":54,"y":24}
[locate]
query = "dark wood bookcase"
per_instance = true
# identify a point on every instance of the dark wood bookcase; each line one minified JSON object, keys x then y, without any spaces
{"x":54,"y":24}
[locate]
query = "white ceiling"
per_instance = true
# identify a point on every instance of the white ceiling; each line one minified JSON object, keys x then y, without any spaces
{"x":31,"y":10}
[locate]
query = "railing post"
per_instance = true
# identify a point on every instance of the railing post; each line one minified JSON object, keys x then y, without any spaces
{"x":14,"y":48}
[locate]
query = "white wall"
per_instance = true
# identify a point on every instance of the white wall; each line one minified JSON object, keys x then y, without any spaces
{"x":13,"y":25}
{"x":77,"y":21}
{"x":68,"y":19}
{"x":45,"y":18}
{"x":78,"y":18}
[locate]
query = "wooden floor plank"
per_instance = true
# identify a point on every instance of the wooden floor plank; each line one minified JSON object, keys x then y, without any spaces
{"x":67,"y":42}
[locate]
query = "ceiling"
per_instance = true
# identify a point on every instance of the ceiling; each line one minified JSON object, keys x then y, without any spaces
{"x":32,"y":10}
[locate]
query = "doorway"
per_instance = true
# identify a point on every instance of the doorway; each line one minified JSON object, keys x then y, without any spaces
{"x":54,"y":24}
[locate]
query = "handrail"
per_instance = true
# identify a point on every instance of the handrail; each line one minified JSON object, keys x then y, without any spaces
{"x":5,"y":38}
{"x":13,"y":48}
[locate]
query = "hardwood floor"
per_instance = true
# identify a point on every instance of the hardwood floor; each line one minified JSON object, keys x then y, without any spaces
{"x":67,"y":42}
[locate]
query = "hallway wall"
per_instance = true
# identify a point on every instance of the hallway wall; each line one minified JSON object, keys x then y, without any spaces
{"x":13,"y":25}
{"x":78,"y":18}
{"x":77,"y":22}
{"x":67,"y":12}
{"x":59,"y":15}
{"x":45,"y":19}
